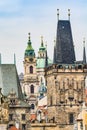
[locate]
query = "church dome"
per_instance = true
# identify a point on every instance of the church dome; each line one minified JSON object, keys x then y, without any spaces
{"x":29,"y":50}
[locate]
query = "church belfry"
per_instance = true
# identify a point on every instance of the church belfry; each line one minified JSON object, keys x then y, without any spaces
{"x":30,"y":88}
{"x":64,"y":48}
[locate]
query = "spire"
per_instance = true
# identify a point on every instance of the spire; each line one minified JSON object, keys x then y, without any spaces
{"x":68,"y":14}
{"x":42,"y":47}
{"x":14,"y":59}
{"x":64,"y":49}
{"x":58,"y":14}
{"x":54,"y":60}
{"x":46,"y":59}
{"x":84,"y":52}
{"x":41,"y":41}
{"x":29,"y":39}
{"x":29,"y":50}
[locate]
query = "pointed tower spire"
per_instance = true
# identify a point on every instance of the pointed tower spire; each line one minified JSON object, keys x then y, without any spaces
{"x":64,"y":49}
{"x":41,"y":41}
{"x":29,"y":39}
{"x":84,"y":52}
{"x":46,"y":59}
{"x":29,"y":52}
{"x":14,"y":59}
{"x":58,"y":14}
{"x":54,"y":60}
{"x":68,"y":14}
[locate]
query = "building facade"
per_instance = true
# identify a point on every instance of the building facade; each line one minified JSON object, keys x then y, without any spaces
{"x":34,"y":74}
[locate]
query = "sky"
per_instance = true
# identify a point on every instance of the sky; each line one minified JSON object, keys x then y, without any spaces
{"x":39,"y":17}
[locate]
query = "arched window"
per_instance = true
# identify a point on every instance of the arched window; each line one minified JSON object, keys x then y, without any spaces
{"x":32,"y":89}
{"x":31,"y":69}
{"x":32,"y":106}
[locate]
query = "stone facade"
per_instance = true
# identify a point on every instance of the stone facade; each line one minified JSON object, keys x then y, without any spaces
{"x":65,"y":92}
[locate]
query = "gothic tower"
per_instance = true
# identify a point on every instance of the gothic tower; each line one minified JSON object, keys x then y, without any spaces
{"x":64,"y":49}
{"x":65,"y":80}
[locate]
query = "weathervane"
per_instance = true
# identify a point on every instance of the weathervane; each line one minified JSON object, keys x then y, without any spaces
{"x":69,"y":14}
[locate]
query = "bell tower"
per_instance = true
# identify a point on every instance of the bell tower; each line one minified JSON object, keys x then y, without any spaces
{"x":30,"y":87}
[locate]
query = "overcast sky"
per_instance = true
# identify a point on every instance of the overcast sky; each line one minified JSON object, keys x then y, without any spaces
{"x":39,"y":17}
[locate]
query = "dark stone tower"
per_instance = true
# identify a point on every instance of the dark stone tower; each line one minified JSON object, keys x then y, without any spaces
{"x":64,"y":49}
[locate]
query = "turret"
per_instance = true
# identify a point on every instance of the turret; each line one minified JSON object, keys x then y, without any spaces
{"x":84,"y":52}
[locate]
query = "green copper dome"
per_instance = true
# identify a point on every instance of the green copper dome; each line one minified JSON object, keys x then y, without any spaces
{"x":29,"y":50}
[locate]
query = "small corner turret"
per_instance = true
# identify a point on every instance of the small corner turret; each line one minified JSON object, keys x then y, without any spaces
{"x":84,"y":52}
{"x":42,"y":49}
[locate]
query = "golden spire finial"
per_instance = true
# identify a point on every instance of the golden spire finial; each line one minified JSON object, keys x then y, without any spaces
{"x":29,"y":36}
{"x":58,"y":14}
{"x":84,"y":42}
{"x":69,"y":14}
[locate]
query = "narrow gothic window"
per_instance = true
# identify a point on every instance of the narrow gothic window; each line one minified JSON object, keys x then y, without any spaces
{"x":71,"y":118}
{"x":32,"y":106}
{"x":31,"y":69}
{"x":32,"y":89}
{"x":51,"y":100}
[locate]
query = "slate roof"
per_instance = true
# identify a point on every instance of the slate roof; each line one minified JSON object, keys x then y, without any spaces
{"x":64,"y":49}
{"x":9,"y":80}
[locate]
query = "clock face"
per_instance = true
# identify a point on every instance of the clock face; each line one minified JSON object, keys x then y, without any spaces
{"x":31,"y":59}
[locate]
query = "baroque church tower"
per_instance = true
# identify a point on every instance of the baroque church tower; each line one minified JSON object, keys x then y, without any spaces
{"x":30,"y":76}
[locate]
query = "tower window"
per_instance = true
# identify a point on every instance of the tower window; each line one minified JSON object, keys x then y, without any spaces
{"x":31,"y":69}
{"x":32,"y":89}
{"x":51,"y":102}
{"x":71,"y":118}
{"x":10,"y":117}
{"x":23,"y":116}
{"x":32,"y":106}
